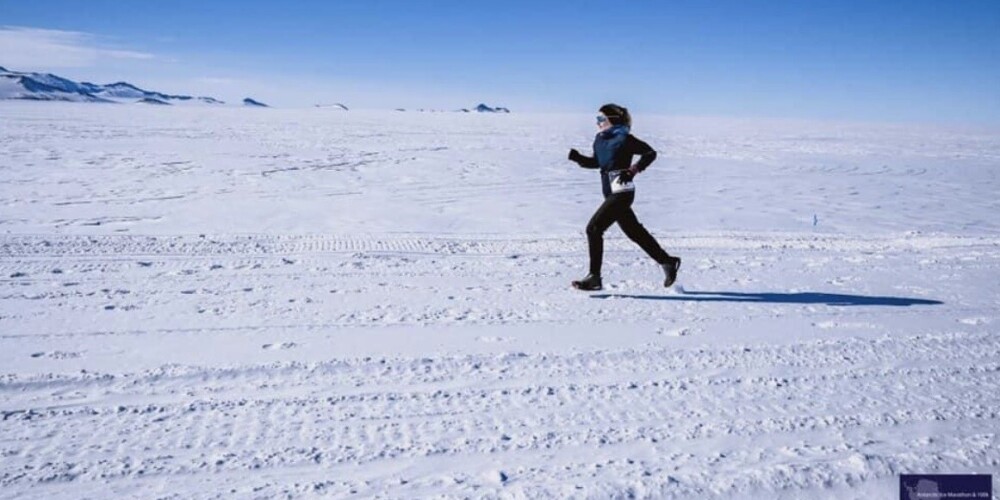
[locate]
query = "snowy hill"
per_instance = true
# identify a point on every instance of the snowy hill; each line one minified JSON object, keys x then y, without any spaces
{"x":152,"y":100}
{"x":482,"y":108}
{"x":250,"y":102}
{"x":126,"y":90}
{"x":19,"y":86}
{"x":49,"y":87}
{"x":335,"y":105}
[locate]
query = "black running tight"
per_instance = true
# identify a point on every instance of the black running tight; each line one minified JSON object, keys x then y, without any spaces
{"x":618,"y":208}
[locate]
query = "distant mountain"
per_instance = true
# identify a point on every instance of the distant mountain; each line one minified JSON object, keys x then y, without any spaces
{"x":151,"y":100}
{"x":335,"y":105}
{"x":43,"y":88}
{"x":49,"y":87}
{"x":482,"y":108}
{"x":125,"y":90}
{"x":250,"y":102}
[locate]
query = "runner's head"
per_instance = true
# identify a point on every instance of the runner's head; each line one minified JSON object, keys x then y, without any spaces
{"x":616,"y":115}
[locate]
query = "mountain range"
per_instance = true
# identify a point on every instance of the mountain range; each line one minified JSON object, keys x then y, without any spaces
{"x":482,"y":108}
{"x":49,"y":87}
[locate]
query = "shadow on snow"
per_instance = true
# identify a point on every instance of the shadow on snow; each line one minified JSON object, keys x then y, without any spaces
{"x":830,"y":299}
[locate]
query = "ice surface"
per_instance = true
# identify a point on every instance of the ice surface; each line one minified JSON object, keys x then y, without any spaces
{"x":220,"y":302}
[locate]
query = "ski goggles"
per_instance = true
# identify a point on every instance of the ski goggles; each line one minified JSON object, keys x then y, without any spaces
{"x":601,"y":119}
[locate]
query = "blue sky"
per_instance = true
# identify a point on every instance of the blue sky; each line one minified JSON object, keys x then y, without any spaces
{"x":853,"y":60}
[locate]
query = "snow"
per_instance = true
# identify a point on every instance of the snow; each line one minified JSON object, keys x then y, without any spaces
{"x":124,"y":90}
{"x":9,"y":87}
{"x":215,"y":302}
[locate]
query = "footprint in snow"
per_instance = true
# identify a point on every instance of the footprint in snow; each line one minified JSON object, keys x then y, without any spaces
{"x":56,"y":355}
{"x":282,"y":345}
{"x":975,"y":321}
{"x":493,"y":340}
{"x":674,"y":332}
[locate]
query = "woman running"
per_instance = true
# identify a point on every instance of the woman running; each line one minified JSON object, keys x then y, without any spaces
{"x":614,"y":148}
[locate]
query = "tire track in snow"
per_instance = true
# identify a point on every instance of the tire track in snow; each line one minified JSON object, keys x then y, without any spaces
{"x":388,"y":425}
{"x":653,"y":420}
{"x":497,"y":368}
{"x":117,"y":246}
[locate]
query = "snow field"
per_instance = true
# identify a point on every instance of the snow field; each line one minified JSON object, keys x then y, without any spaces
{"x":272,"y":303}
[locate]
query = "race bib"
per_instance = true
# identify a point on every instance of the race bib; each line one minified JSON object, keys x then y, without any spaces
{"x":619,"y":183}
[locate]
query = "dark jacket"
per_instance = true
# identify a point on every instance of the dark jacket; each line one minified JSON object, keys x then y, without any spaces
{"x":613,"y":150}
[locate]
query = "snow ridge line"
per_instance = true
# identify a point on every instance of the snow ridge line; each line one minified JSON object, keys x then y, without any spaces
{"x":366,"y":371}
{"x":261,"y":244}
{"x":376,"y":404}
{"x":230,"y":427}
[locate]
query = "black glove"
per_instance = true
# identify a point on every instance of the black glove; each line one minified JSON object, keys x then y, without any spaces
{"x":574,"y":155}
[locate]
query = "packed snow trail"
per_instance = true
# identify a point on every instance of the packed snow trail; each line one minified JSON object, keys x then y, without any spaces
{"x":402,"y":366}
{"x":210,"y":305}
